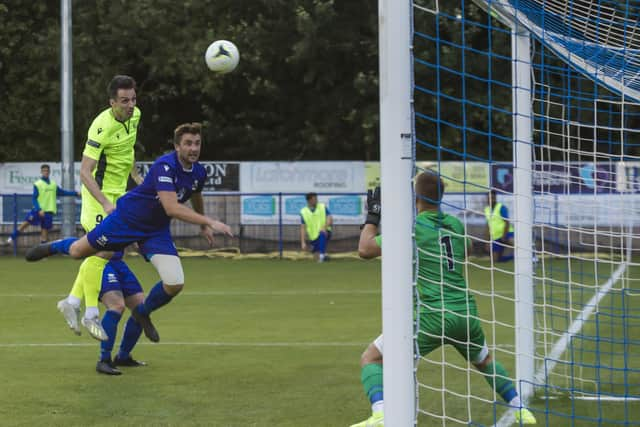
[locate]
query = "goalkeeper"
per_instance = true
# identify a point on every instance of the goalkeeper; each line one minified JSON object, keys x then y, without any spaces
{"x":447,"y":312}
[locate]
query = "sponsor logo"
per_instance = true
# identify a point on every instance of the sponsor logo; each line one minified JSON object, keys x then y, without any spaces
{"x":165,"y":179}
{"x":102,"y":240}
{"x":317,"y":178}
{"x":194,"y":186}
{"x":93,"y":143}
{"x":293,"y":205}
{"x":260,"y":205}
{"x":112,"y":278}
{"x":345,"y":206}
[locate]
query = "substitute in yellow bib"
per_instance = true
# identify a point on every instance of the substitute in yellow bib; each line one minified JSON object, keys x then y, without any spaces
{"x":107,"y":161}
{"x":44,"y":199}
{"x":500,"y":230}
{"x":316,"y":225}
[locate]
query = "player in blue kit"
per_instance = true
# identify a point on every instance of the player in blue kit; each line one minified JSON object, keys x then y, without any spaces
{"x":119,"y":289}
{"x":143,"y":215}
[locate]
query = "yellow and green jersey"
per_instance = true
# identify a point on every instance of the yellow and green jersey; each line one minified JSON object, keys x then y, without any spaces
{"x":314,"y":220}
{"x":111,"y":144}
{"x":440,"y":242}
{"x":47,"y":192}
{"x":496,"y":220}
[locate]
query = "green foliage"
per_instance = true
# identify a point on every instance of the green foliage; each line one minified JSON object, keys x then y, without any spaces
{"x":306,"y":86}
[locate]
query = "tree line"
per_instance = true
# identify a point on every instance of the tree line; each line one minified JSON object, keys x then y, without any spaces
{"x":306,"y":87}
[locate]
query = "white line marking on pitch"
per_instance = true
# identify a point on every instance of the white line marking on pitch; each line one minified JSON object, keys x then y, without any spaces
{"x":200,"y":344}
{"x":228,"y":293}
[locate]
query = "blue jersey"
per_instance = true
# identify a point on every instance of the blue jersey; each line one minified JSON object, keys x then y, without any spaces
{"x":141,"y":207}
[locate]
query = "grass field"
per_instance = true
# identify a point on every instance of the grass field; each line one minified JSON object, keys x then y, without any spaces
{"x":248,"y":343}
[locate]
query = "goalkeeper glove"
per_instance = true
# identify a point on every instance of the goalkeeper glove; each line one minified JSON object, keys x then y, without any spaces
{"x":374,"y":207}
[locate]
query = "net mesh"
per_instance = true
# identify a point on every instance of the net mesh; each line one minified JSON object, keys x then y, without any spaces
{"x":585,"y":147}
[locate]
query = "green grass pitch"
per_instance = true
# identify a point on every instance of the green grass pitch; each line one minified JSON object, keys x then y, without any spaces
{"x":248,"y":343}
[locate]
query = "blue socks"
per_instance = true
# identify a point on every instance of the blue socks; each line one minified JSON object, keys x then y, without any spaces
{"x":322,"y":243}
{"x":110,"y":325}
{"x":132,"y":332}
{"x":62,"y":246}
{"x":156,"y":299}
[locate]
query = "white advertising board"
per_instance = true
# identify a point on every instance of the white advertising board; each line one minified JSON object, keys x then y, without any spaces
{"x":19,"y":177}
{"x":302,"y":177}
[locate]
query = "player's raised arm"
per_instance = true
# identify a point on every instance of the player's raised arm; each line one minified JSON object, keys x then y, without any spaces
{"x":170,"y":204}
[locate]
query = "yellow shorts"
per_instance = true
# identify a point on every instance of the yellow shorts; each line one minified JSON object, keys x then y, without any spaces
{"x":92,"y":213}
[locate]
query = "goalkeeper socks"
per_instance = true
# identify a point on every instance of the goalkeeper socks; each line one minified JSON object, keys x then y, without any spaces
{"x":371,"y":378}
{"x":132,"y":331}
{"x":498,"y":378}
{"x":156,"y":299}
{"x":62,"y":246}
{"x":110,"y":325}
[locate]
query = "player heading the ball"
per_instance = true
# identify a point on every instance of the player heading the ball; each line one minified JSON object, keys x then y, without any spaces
{"x":143,"y":216}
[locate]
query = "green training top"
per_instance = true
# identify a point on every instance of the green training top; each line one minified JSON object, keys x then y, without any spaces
{"x":440,"y":242}
{"x":111,"y":143}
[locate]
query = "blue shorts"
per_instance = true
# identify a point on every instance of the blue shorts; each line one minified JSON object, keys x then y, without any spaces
{"x":115,"y":234}
{"x":45,"y":222}
{"x":117,"y":276}
{"x":320,"y":244}
{"x":498,"y":245}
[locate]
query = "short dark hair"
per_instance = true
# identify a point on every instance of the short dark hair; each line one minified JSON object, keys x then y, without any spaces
{"x":45,"y":166}
{"x":120,"y":82}
{"x":309,"y":196}
{"x":429,"y":187}
{"x":194,"y":128}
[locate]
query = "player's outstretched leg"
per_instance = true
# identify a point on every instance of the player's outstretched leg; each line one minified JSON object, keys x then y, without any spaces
{"x":76,"y":248}
{"x":44,"y":250}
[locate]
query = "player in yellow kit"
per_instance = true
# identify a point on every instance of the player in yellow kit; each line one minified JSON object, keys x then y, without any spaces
{"x":107,"y":162}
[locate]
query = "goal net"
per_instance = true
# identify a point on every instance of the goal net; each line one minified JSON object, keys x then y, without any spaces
{"x":538,"y":100}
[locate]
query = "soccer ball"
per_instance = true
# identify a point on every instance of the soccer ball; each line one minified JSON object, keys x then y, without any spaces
{"x":222,"y":56}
